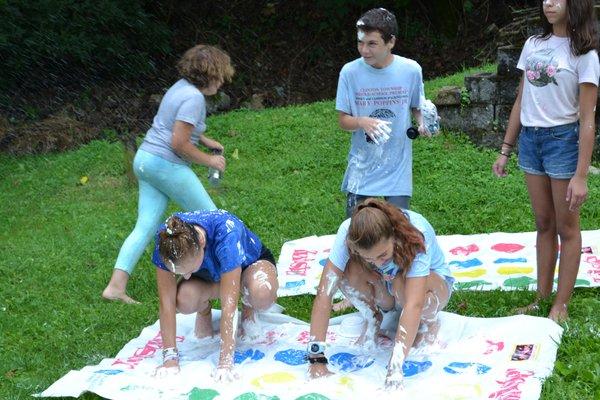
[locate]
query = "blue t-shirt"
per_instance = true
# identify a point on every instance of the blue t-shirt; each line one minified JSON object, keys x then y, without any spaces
{"x":431,"y":260}
{"x":229,"y":243}
{"x":387,"y":94}
{"x":182,"y":102}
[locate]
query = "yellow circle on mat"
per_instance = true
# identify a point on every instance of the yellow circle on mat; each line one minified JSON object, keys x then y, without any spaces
{"x":514,"y":270}
{"x":474,"y":273}
{"x":274,"y":378}
{"x":346,"y":381}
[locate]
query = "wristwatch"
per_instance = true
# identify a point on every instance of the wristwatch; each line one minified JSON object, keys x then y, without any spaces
{"x":316,"y":348}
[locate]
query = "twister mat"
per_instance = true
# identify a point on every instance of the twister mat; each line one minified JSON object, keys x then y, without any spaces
{"x":478,"y":262}
{"x":473,"y":358}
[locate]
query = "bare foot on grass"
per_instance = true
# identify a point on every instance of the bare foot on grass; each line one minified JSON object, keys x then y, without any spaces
{"x":115,"y":290}
{"x":116,"y":295}
{"x":531,"y":308}
{"x":559,"y":313}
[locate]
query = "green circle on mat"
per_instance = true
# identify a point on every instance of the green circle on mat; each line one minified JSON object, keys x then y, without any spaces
{"x":255,"y":396}
{"x":470,"y":284}
{"x":312,"y":396}
{"x":520,"y":282}
{"x":202,"y":394}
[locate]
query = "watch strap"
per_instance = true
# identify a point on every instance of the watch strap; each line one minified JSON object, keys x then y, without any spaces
{"x":317,"y":360}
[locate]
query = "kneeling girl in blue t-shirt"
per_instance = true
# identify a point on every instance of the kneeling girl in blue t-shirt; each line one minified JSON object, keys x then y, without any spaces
{"x":218,"y":257}
{"x":383,"y":258}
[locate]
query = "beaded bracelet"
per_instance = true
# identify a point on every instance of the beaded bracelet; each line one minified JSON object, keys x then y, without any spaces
{"x":170,"y":353}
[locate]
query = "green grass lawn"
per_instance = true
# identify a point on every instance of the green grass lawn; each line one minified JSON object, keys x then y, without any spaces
{"x":59,"y":238}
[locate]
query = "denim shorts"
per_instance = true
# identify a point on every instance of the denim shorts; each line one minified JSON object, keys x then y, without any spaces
{"x":353,"y":199}
{"x":549,"y":151}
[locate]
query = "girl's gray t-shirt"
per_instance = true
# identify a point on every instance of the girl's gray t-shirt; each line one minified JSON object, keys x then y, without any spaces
{"x":182,"y":102}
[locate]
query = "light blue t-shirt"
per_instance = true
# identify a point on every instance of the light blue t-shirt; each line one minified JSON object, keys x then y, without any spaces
{"x":229,"y":243}
{"x":182,"y":102}
{"x":431,"y":260}
{"x":387,"y":94}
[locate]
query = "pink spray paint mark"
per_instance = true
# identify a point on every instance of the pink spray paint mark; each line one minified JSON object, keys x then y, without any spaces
{"x":271,"y":337}
{"x":150,"y":348}
{"x":300,"y":262}
{"x":509,"y":388}
{"x":304,"y":337}
{"x":493,"y":346}
{"x":464,"y":250}
{"x":508,"y":247}
{"x":594,"y":270}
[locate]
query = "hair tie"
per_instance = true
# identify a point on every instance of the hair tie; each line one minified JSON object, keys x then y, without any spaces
{"x":169,"y":231}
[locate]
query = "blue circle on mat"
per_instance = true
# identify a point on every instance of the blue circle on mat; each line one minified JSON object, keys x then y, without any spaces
{"x":294,"y":284}
{"x":250,"y":354}
{"x":473,"y":262}
{"x":291,"y":357}
{"x":109,"y":371}
{"x":459,"y":368}
{"x":410,"y":368}
{"x":349,"y":362}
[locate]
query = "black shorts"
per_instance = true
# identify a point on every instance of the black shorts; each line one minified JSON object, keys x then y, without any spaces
{"x":267,"y":255}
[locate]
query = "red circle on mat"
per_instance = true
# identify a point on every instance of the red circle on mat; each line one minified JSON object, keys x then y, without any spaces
{"x":508,"y":247}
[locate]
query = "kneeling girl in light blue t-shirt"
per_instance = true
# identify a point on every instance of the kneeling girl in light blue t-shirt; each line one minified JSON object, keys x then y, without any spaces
{"x":384,"y":258}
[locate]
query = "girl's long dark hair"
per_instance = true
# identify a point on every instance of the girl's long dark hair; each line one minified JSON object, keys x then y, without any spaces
{"x":582,"y":26}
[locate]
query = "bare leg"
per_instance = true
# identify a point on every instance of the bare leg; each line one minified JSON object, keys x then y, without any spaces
{"x":436,"y":299}
{"x":366,"y":291}
{"x":541,"y":196}
{"x":115,"y":290}
{"x":259,"y":292}
{"x":193,"y":296}
{"x":570,"y":250}
{"x":203,"y":325}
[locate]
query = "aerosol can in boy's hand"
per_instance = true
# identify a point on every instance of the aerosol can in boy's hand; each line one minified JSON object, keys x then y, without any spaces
{"x":430,"y":116}
{"x":214,"y":175}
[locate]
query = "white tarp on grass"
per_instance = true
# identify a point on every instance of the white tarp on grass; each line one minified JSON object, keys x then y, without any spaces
{"x":478,"y":262}
{"x":474,"y":358}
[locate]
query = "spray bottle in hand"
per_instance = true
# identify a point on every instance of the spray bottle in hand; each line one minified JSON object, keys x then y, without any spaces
{"x":214,"y":175}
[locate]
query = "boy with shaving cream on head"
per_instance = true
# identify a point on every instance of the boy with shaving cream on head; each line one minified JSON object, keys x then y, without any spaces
{"x":376,"y":95}
{"x":206,"y":255}
{"x":382,"y":259}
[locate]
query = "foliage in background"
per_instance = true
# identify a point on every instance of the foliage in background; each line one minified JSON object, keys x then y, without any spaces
{"x":44,"y":43}
{"x":61,"y":235}
{"x":62,"y":47}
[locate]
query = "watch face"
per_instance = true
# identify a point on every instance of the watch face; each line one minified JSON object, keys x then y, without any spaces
{"x":314,"y":348}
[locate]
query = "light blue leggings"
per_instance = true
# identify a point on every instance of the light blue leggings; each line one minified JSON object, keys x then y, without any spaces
{"x":159,"y":180}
